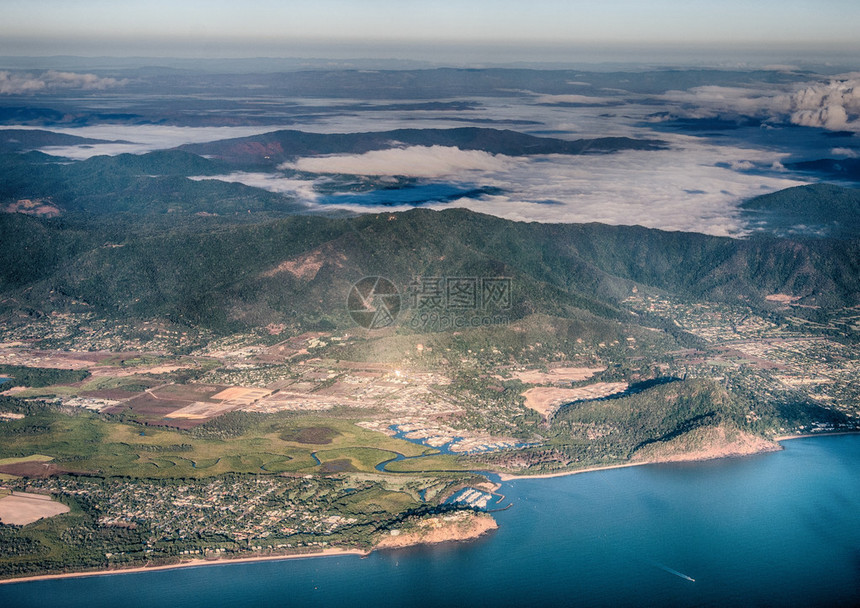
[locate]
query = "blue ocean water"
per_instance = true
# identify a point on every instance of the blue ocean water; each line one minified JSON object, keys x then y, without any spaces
{"x":775,"y":529}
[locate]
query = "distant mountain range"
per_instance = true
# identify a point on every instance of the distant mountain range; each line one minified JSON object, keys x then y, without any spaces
{"x":847,"y":169}
{"x":818,"y":210}
{"x":157,"y":182}
{"x":279,"y":146}
{"x":23,"y":140}
{"x":144,"y":184}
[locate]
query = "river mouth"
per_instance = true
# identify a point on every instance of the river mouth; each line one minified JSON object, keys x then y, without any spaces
{"x":775,"y":529}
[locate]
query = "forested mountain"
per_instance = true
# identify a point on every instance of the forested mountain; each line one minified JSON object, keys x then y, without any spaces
{"x":815,"y":210}
{"x":227,"y":275}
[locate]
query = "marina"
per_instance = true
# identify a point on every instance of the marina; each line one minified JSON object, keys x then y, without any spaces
{"x":772,"y":529}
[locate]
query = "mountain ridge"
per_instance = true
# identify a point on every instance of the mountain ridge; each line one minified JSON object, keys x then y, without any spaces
{"x":279,"y":146}
{"x":213,"y":270}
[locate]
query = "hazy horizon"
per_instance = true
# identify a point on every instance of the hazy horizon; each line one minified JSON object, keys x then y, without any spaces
{"x":480,"y":33}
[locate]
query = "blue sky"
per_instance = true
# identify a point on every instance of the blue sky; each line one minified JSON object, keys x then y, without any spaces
{"x":284,"y":27}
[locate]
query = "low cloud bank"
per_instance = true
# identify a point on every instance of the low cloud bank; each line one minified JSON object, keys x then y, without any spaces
{"x":302,"y":189}
{"x":140,"y":138}
{"x":575,"y":99}
{"x":833,"y":105}
{"x":844,"y":153}
{"x":413,"y":161}
{"x":17,"y":83}
{"x":694,"y":186}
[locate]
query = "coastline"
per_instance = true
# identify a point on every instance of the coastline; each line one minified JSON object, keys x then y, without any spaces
{"x":334,"y":552}
{"x":512,"y":477}
{"x":779,"y":439}
{"x":475,"y":528}
{"x":461,"y":526}
{"x":782,"y":438}
{"x":189,"y":564}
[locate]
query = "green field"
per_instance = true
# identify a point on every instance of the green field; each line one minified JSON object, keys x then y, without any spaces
{"x":87,"y":443}
{"x":438,"y":462}
{"x":32,"y":458}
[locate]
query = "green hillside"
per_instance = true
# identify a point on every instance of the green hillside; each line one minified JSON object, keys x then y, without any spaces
{"x":154,"y":183}
{"x":225,"y":276}
{"x":17,"y":140}
{"x":816,"y":210}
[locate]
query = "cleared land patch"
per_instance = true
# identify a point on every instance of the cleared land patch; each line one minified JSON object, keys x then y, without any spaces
{"x":557,"y":375}
{"x":150,"y":406}
{"x":180,"y":405}
{"x":241,"y":395}
{"x":202,"y":410}
{"x":191,"y":392}
{"x":22,"y":508}
{"x":781,"y":298}
{"x":546,"y":400}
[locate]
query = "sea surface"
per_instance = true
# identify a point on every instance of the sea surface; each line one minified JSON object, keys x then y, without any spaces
{"x":779,"y":529}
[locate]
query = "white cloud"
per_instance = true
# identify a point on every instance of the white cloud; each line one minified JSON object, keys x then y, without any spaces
{"x":576,"y":99}
{"x":781,"y":67}
{"x":16,"y":83}
{"x":845,"y":153}
{"x":708,"y":101}
{"x":689,"y":187}
{"x":572,"y":98}
{"x":693,"y":186}
{"x":414,"y":161}
{"x":140,"y":138}
{"x":302,"y":189}
{"x":88,"y":151}
{"x":833,"y":105}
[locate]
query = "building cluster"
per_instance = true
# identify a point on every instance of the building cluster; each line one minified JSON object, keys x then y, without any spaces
{"x":236,"y":508}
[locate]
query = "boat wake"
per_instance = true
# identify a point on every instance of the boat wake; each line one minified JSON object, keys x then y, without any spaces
{"x":675,"y":572}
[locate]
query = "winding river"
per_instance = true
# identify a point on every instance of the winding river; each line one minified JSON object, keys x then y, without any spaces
{"x":773,"y":529}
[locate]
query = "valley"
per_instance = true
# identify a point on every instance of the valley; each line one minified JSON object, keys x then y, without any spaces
{"x":302,"y":326}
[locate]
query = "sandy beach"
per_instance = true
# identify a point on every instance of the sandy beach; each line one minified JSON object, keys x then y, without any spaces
{"x":458,"y":529}
{"x":782,"y":438}
{"x":511,"y":477}
{"x":188,"y":564}
{"x":407,"y":540}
